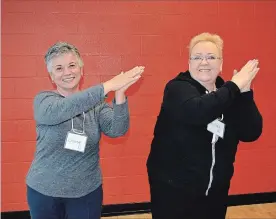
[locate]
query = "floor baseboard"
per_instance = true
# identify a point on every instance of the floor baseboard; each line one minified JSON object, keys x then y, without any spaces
{"x":139,"y":208}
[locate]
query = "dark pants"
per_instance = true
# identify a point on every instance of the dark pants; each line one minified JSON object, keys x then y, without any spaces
{"x":46,"y":207}
{"x":177,"y":203}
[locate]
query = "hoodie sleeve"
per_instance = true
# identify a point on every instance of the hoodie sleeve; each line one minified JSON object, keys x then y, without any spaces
{"x":182,"y":101}
{"x":248,"y":120}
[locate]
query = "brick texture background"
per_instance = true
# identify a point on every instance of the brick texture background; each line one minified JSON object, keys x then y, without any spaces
{"x":117,"y":35}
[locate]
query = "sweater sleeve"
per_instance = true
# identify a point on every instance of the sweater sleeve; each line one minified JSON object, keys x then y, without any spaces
{"x":248,"y":120}
{"x":52,"y":109}
{"x":182,"y":101}
{"x":114,"y":121}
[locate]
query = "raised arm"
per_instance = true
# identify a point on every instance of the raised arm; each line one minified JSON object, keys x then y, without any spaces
{"x":114,"y":121}
{"x":248,"y":120}
{"x":183,"y":102}
{"x":51,"y":108}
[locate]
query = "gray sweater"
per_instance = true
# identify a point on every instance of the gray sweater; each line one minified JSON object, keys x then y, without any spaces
{"x":60,"y":172}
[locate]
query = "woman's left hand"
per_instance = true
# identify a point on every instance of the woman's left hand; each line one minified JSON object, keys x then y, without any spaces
{"x":120,"y":94}
{"x":247,"y":87}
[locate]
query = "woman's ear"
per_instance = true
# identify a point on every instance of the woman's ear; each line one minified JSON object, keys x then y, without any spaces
{"x":51,"y":77}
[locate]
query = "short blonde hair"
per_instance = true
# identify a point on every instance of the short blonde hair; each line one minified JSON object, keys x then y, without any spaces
{"x":214,"y":38}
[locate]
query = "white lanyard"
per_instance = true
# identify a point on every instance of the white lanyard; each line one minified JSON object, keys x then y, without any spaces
{"x":76,"y":139}
{"x":217,"y":128}
{"x":76,"y":130}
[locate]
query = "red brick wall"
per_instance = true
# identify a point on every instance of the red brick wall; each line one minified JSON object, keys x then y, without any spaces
{"x":114,"y":36}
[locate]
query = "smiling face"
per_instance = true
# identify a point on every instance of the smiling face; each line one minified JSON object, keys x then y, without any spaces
{"x":66,"y":73}
{"x":205,"y":63}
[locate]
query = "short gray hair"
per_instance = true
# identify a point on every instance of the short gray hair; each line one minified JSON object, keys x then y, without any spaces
{"x":58,"y":49}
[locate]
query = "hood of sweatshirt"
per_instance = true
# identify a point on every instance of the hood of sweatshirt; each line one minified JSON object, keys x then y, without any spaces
{"x":186,"y":76}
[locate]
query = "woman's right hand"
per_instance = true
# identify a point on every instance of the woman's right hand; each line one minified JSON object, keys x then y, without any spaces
{"x":246,"y":74}
{"x":123,"y":79}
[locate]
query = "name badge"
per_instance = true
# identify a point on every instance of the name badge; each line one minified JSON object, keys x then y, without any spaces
{"x":216,"y":127}
{"x":75,"y":141}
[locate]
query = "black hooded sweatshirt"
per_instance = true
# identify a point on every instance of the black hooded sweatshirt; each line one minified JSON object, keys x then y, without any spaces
{"x":181,"y":150}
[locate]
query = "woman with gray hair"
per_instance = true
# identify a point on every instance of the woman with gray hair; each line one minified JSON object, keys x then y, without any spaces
{"x":201,"y":122}
{"x":65,"y":180}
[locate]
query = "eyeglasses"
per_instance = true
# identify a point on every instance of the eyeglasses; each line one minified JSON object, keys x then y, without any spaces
{"x":208,"y":58}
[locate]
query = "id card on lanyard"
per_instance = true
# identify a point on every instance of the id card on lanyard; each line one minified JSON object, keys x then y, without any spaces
{"x":76,"y":139}
{"x":217,"y":127}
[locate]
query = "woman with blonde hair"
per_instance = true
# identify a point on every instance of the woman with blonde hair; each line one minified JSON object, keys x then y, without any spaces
{"x":201,"y":121}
